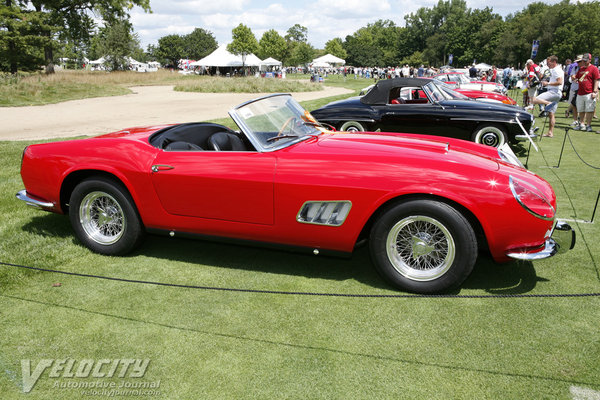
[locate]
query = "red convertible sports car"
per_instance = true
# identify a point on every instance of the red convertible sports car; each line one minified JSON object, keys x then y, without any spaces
{"x":426,"y":204}
{"x":458,"y":80}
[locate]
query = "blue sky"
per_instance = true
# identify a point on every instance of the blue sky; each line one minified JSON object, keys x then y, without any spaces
{"x":325,"y":19}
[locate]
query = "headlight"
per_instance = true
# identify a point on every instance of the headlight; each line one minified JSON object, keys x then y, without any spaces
{"x":531,"y":199}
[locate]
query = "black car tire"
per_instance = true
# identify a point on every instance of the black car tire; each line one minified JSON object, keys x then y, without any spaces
{"x":104,"y":217}
{"x":490,"y":134}
{"x":423,"y":246}
{"x":352,"y":126}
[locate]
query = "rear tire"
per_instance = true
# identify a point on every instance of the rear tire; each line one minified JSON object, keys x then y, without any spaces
{"x":423,"y":246}
{"x":104,"y":217}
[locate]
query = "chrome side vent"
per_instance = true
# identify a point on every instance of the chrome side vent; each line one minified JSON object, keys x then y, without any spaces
{"x":332,"y":213}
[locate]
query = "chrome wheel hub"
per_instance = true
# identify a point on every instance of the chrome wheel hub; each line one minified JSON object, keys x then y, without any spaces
{"x":420,"y":248}
{"x":102,"y":218}
{"x":490,"y":139}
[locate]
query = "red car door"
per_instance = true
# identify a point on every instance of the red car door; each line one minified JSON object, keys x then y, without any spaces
{"x":224,"y":185}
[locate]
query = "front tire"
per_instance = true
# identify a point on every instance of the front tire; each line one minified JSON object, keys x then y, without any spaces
{"x":104,"y":217}
{"x":423,"y":246}
{"x":352,"y":126}
{"x":490,"y":135}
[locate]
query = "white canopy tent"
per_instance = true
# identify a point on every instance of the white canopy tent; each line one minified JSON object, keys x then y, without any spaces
{"x":223,"y":58}
{"x":330,"y":59}
{"x":271,"y":62}
{"x":483,"y":67}
{"x":98,"y":61}
{"x":320,"y":64}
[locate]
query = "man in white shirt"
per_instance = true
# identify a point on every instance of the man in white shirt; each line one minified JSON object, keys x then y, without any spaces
{"x":551,"y":97}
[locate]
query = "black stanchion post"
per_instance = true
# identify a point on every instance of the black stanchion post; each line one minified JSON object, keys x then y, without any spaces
{"x":595,"y":207}
{"x":528,"y":153}
{"x":563,"y":148}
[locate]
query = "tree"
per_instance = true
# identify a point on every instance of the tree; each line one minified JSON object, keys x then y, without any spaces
{"x":19,"y":38}
{"x":297,"y":33}
{"x":244,"y":43}
{"x":374,"y":45}
{"x":303,"y":53}
{"x":67,"y":20}
{"x":272,"y":44}
{"x":336,"y":48}
{"x":170,"y":49}
{"x":199,"y":44}
{"x":116,"y":42}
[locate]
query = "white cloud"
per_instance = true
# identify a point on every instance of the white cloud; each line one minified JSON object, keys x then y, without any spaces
{"x":325,"y":19}
{"x":348,"y":9}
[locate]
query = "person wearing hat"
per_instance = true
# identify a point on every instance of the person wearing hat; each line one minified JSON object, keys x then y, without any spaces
{"x":533,"y":79}
{"x":587,"y":77}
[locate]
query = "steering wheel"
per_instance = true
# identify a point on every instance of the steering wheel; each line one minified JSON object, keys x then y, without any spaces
{"x":285,"y":124}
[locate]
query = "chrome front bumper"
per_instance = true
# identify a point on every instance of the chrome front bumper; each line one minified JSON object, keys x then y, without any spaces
{"x":532,"y":134}
{"x":34,"y":202}
{"x":560,"y":241}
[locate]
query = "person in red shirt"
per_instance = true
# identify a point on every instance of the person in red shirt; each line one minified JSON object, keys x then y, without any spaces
{"x":588,"y":77}
{"x":533,"y":79}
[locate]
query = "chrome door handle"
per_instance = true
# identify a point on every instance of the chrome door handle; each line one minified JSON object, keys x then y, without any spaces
{"x":161,"y":167}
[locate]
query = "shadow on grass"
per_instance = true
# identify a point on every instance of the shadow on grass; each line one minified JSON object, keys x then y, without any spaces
{"x":509,"y":278}
{"x":49,"y":225}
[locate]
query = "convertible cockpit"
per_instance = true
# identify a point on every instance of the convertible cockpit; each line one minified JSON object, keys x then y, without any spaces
{"x":199,"y":136}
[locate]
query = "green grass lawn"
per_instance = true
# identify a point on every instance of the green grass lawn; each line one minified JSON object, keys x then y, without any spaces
{"x":214,"y":344}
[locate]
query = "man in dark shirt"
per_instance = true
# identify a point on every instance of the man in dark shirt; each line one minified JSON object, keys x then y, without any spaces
{"x":473,"y":72}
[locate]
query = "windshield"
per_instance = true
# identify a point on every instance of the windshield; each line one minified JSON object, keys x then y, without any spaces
{"x":275,"y":121}
{"x":435,"y":92}
{"x":460,"y":78}
{"x":451,"y":93}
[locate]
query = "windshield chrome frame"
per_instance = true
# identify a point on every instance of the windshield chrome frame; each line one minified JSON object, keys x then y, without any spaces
{"x":233,"y":113}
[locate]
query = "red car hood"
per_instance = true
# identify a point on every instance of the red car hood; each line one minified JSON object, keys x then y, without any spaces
{"x":426,"y":148}
{"x":429,"y":143}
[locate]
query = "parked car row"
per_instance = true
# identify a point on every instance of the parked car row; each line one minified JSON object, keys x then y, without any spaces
{"x":427,"y":106}
{"x":425,"y":204}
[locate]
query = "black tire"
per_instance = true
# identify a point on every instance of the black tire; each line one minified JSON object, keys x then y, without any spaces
{"x":490,"y":134}
{"x":104,"y":217}
{"x":352,"y":126}
{"x":423,"y":246}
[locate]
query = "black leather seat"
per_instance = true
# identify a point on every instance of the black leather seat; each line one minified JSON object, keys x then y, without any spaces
{"x":183,"y":146}
{"x":225,"y":141}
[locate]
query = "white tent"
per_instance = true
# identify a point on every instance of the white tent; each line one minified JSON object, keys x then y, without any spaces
{"x":271,"y":62}
{"x":99,"y":61}
{"x":320,"y":64}
{"x":223,"y":58}
{"x":483,"y":67}
{"x":330,"y":59}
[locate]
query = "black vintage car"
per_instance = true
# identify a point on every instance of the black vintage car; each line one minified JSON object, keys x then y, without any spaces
{"x":425,"y":106}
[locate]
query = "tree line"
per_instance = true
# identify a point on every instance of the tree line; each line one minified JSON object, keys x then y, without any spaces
{"x":38,"y":32}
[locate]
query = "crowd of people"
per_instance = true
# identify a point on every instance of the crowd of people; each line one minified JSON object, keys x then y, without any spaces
{"x":576,"y":82}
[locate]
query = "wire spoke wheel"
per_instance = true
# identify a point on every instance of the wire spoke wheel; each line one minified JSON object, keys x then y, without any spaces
{"x":420,"y":248}
{"x":102,"y":218}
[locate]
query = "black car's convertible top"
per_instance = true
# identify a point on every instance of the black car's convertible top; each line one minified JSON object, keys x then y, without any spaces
{"x":379,"y":94}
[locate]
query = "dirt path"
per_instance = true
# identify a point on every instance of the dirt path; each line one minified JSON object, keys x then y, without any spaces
{"x":147,"y":105}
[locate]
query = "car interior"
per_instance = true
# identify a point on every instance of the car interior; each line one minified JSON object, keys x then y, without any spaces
{"x":407,"y":95}
{"x":200,"y":136}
